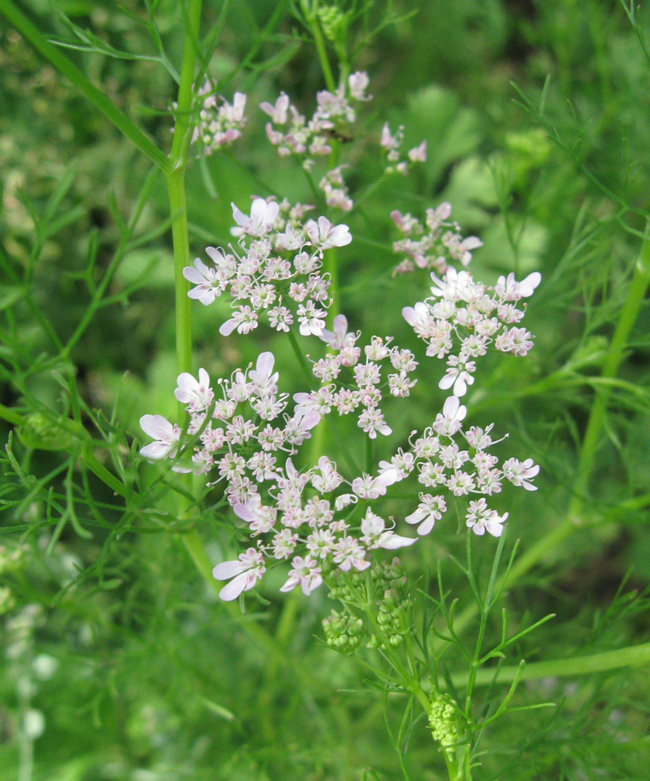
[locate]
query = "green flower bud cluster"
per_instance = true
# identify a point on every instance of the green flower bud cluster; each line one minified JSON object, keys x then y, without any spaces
{"x":445,"y":722}
{"x":41,"y":433}
{"x":347,"y":585}
{"x":392,"y":618}
{"x":334,"y":22}
{"x":388,"y":577}
{"x":343,"y":632}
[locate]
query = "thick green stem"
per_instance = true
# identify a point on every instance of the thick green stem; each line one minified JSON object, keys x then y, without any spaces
{"x":573,"y":518}
{"x":180,"y":237}
{"x":65,"y":66}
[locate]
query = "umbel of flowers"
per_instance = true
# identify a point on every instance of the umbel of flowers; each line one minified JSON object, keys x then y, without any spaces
{"x":244,"y":433}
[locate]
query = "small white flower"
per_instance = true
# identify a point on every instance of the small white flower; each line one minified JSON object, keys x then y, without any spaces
{"x":427,"y":513}
{"x":197,"y":393}
{"x":480,"y":519}
{"x":419,"y":153}
{"x":305,"y":572}
{"x":261,"y":219}
{"x":358,"y":83}
{"x":277,"y":112}
{"x":520,"y":472}
{"x":375,"y":536}
{"x":323,"y":235}
{"x":339,"y":337}
{"x":458,"y":375}
{"x":208,"y":286}
{"x":165,"y":434}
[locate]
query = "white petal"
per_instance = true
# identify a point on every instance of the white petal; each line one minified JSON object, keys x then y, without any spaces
{"x":234,"y":588}
{"x":527,"y":286}
{"x":228,"y":569}
{"x":156,"y":426}
{"x":156,"y":451}
{"x":228,"y":327}
{"x":214,"y":254}
{"x":447,"y":381}
{"x":240,"y":218}
{"x":193,"y":276}
{"x":390,"y":541}
{"x":264,"y":365}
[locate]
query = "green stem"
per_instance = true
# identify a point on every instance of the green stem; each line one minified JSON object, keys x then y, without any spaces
{"x":180,"y":238}
{"x":11,"y":416}
{"x":65,"y":66}
{"x":611,"y":364}
{"x":580,"y":665}
{"x":322,"y":54}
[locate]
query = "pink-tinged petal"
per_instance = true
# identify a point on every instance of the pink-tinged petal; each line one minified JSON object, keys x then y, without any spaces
{"x":471,"y":242}
{"x":206,"y":297}
{"x":447,"y":381}
{"x":310,"y":584}
{"x":244,"y":512}
{"x":527,"y":286}
{"x":193,"y":276}
{"x":416,"y":516}
{"x":451,"y":407}
{"x":264,"y":365}
{"x":460,"y":386}
{"x":214,"y":254}
{"x":258,"y":210}
{"x":291,"y":582}
{"x":204,"y":378}
{"x":409,"y":314}
{"x":495,"y":528}
{"x":228,"y":327}
{"x":156,"y":426}
{"x":387,"y":477}
{"x":240,"y":218}
{"x":390,"y":541}
{"x":200,"y":266}
{"x":340,"y":325}
{"x":425,"y":528}
{"x":228,"y":569}
{"x":156,"y":451}
{"x":234,"y":588}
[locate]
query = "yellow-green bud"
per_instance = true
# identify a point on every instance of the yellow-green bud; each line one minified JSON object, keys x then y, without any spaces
{"x":445,"y":722}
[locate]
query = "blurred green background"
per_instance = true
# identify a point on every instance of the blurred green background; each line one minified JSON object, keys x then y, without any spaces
{"x":117,"y":661}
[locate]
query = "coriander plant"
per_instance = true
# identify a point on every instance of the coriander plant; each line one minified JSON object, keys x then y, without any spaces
{"x":350,"y":380}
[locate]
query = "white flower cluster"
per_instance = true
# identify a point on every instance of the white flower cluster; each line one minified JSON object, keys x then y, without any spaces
{"x":219,"y":124}
{"x":274,"y":269}
{"x":293,"y":134}
{"x":434,"y":245}
{"x":247,"y":440}
{"x":473,"y":316}
{"x":392,"y":144}
{"x":462,"y":470}
{"x":364,"y":386}
{"x":316,"y":517}
{"x":336,"y":190}
{"x":243,"y":435}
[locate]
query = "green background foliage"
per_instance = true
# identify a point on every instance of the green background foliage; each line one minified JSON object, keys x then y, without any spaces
{"x":536,"y":119}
